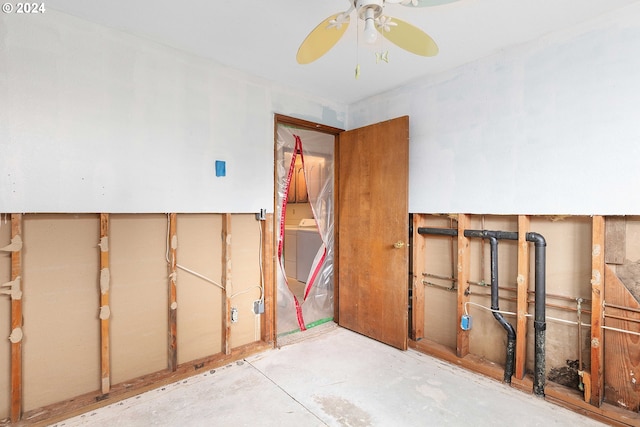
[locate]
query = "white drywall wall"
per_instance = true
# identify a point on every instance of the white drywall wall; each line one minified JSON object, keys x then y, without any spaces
{"x":550,"y":127}
{"x":95,"y":120}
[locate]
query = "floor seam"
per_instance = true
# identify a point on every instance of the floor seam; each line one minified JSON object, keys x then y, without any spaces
{"x":286,"y":392}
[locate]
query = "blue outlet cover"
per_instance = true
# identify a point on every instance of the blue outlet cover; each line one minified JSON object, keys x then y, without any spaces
{"x":221,"y":168}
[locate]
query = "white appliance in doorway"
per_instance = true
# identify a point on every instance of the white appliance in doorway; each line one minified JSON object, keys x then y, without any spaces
{"x":307,"y":245}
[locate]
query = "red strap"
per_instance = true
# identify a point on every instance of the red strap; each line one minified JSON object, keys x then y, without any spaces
{"x":296,"y":151}
{"x":283,"y":212}
{"x":315,"y":274}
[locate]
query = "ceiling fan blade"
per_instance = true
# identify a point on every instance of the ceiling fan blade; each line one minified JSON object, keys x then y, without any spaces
{"x":410,"y":38}
{"x":322,"y":39}
{"x":423,"y":3}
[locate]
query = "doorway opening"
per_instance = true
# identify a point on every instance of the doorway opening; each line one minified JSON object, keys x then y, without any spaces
{"x":304,"y":224}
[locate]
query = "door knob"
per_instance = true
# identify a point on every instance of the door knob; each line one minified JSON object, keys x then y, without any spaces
{"x":399,"y":244}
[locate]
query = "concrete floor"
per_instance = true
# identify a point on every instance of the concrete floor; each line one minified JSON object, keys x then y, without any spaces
{"x":334,"y":378}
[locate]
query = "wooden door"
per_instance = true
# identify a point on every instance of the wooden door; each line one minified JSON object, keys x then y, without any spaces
{"x":373,"y":230}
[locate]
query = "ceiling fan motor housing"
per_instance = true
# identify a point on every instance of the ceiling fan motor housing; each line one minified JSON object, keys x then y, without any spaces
{"x":362,"y":6}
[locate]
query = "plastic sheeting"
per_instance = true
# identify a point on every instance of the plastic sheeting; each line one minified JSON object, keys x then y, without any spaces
{"x":315,"y":150}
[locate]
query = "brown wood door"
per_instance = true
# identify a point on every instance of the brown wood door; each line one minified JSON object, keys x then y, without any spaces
{"x":373,"y":229}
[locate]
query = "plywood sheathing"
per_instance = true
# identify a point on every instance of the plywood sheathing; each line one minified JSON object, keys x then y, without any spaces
{"x":621,"y":350}
{"x":597,"y":298}
{"x":615,"y":239}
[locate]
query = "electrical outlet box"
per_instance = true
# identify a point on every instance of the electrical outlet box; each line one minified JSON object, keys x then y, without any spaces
{"x":234,"y":315}
{"x":258,"y":306}
{"x":465,"y":322}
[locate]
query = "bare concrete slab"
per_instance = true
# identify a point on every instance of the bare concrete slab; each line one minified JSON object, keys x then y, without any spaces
{"x":337,"y":378}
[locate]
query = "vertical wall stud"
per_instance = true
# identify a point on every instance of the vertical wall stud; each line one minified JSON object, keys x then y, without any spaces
{"x":417,"y":294}
{"x":523,"y":288}
{"x":597,"y":298}
{"x":172,"y":353}
{"x":105,"y":367}
{"x":226,"y":283}
{"x":16,"y":324}
{"x":267,"y":325}
{"x":464,"y":265}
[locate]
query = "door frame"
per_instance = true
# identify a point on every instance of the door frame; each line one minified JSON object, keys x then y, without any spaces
{"x":317,"y":127}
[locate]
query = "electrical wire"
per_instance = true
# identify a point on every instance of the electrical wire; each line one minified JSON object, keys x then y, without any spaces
{"x":510,"y":313}
{"x":620,"y":330}
{"x":195,"y":273}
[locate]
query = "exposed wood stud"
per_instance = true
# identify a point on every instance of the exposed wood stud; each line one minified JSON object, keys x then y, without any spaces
{"x":172,"y":362}
{"x":267,"y":324}
{"x":417,"y":294}
{"x":523,"y":288}
{"x":16,"y":322}
{"x":597,"y":297}
{"x":105,"y":365}
{"x":464,"y":265}
{"x":226,"y":283}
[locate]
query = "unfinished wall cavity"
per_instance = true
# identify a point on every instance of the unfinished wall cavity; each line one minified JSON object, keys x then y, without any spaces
{"x":568,"y":277}
{"x":97,"y":291}
{"x":199,"y":301}
{"x":138,"y":292}
{"x":592,"y":320}
{"x":61,"y":294}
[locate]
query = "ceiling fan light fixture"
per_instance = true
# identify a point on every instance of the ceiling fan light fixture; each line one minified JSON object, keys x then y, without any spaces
{"x":370,"y":33}
{"x":369,"y":11}
{"x":362,"y":6}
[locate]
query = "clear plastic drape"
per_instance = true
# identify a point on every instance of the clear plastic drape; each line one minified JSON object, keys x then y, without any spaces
{"x":315,"y":150}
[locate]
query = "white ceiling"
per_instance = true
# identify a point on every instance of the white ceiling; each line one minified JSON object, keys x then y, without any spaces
{"x":261,"y":37}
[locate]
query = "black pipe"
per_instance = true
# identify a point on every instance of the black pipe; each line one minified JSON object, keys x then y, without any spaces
{"x":438,"y":231}
{"x":495,"y":306}
{"x":539,"y":324}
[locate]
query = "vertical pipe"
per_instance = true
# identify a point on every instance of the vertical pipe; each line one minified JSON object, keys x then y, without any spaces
{"x":539,"y":323}
{"x":495,"y":305}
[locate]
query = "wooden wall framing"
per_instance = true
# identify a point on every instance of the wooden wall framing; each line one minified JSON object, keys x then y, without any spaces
{"x":16,"y":322}
{"x":591,"y":403}
{"x":108,"y":392}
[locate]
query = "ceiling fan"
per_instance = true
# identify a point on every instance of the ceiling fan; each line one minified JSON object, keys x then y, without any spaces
{"x":402,"y":34}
